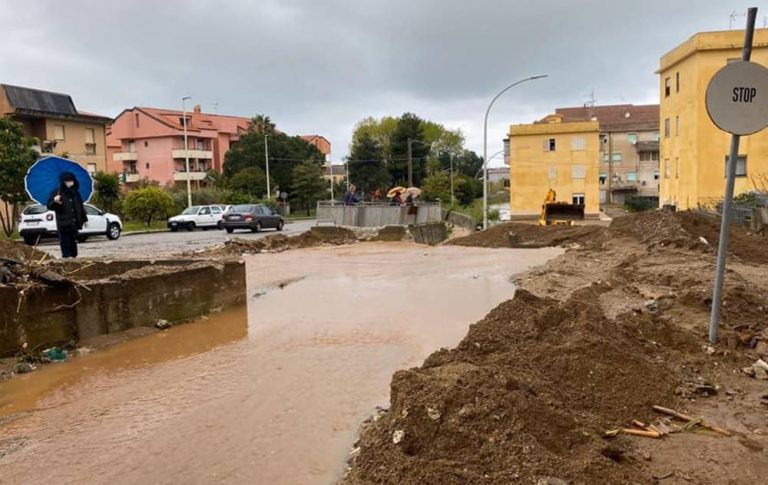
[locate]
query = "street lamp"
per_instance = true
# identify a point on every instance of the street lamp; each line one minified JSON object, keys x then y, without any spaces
{"x":485,"y":144}
{"x":186,"y":149}
{"x":266,"y":164}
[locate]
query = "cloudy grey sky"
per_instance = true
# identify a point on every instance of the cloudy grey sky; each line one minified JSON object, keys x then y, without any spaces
{"x":319,"y":66}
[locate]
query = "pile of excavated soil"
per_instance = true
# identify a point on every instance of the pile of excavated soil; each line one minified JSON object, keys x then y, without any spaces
{"x":591,"y":341}
{"x":685,"y":230}
{"x":278,"y":243}
{"x":20,"y":252}
{"x":513,"y":234}
{"x":526,"y":395}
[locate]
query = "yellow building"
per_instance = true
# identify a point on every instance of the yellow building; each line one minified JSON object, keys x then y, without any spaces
{"x":551,"y":153}
{"x":693,"y":150}
{"x":59,"y":127}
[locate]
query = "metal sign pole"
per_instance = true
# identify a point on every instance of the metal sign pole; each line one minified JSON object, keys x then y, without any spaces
{"x":722,"y":247}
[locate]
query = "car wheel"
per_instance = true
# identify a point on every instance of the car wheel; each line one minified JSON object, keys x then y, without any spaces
{"x":230,"y":230}
{"x":256,"y":228}
{"x":113,"y":231}
{"x":190,"y":226}
{"x":279,"y":226}
{"x":31,"y":240}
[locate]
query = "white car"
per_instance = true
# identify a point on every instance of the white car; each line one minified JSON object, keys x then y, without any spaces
{"x":37,"y":222}
{"x":204,"y":216}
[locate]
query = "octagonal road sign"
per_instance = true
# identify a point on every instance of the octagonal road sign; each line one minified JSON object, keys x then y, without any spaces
{"x":737,"y":98}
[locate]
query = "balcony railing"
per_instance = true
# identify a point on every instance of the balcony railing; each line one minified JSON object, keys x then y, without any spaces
{"x":126,"y":156}
{"x":131,"y":178}
{"x":181,"y":153}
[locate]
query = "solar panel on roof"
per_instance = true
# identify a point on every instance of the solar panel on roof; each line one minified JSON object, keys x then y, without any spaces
{"x":36,"y":100}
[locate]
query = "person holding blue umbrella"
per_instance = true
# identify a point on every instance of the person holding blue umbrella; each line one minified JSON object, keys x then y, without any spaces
{"x":70,"y":213}
{"x":63,"y":186}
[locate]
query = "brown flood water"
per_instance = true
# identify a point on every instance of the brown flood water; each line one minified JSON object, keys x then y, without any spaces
{"x":271,"y":396}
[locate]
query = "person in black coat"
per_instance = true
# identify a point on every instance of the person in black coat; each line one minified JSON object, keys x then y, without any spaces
{"x":70,"y":213}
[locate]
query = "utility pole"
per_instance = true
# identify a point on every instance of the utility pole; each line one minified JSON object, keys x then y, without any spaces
{"x":330,"y":172}
{"x":186,"y":149}
{"x":410,"y":163}
{"x":453,"y":200}
{"x":609,"y":194}
{"x":266,"y":163}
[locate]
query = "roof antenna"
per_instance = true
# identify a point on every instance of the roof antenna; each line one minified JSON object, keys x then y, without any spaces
{"x":590,"y":99}
{"x":215,"y":107}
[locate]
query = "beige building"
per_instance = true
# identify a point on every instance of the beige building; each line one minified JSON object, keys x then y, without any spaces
{"x":694,"y":151}
{"x":554,"y":154}
{"x":58,"y":126}
{"x":629,"y":148}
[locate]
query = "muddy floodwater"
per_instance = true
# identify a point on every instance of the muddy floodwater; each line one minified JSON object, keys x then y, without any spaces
{"x":269,"y":395}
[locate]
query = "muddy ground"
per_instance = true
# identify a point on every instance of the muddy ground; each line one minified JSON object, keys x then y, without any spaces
{"x":591,"y":341}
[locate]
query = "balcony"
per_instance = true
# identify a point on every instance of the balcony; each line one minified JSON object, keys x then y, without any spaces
{"x":131,"y":178}
{"x":192,"y":176}
{"x":200,"y":154}
{"x":126,"y":156}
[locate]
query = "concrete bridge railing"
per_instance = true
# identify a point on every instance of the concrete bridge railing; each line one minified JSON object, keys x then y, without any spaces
{"x":377,"y":214}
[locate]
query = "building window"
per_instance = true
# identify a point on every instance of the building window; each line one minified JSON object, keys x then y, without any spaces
{"x":578,"y":172}
{"x":58,"y":132}
{"x":137,"y":119}
{"x":666,"y":168}
{"x":146,"y":143}
{"x":146,"y":165}
{"x":677,"y":126}
{"x":666,"y":127}
{"x":667,"y":89}
{"x":578,"y":199}
{"x":131,"y":147}
{"x":603,"y":178}
{"x":677,"y":168}
{"x":649,"y":156}
{"x":90,"y":141}
{"x":615,"y":157}
{"x":741,"y":166}
{"x":656,"y":136}
{"x":677,"y":82}
{"x":552,"y":172}
{"x":632,"y":138}
{"x":550,"y":145}
{"x":578,"y":143}
{"x":631,"y":176}
{"x":91,"y":167}
{"x":655,"y":175}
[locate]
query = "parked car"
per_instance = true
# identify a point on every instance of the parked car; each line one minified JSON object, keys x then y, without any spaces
{"x":252,"y":216}
{"x":37,"y":222}
{"x":203,"y":216}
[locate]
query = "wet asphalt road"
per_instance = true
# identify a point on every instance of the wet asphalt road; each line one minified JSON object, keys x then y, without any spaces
{"x":164,"y":243}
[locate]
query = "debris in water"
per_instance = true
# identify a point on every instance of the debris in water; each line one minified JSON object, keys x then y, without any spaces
{"x":54,"y":354}
{"x":398,"y":436}
{"x":163,"y":324}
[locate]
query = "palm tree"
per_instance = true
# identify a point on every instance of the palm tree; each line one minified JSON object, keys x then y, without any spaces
{"x":261,"y":124}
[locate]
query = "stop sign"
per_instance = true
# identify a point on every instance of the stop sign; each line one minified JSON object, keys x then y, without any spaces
{"x":737,"y":98}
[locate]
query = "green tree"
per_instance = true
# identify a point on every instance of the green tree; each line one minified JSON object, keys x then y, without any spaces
{"x":106,"y":190}
{"x":148,"y":204}
{"x":16,"y":156}
{"x":409,"y":127}
{"x":438,"y":186}
{"x":250,"y":180}
{"x":380,"y":130}
{"x":285,"y":153}
{"x":367,"y":169}
{"x":466,"y":189}
{"x":308,"y":184}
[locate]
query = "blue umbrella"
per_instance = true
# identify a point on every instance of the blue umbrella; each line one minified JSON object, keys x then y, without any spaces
{"x":43,"y":178}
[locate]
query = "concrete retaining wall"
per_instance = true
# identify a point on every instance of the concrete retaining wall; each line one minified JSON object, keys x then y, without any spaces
{"x":460,"y":220}
{"x":377,"y":215}
{"x":118,"y":300}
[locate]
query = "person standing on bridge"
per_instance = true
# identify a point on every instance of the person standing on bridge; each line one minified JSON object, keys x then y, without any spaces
{"x":350,"y":197}
{"x":70,"y":213}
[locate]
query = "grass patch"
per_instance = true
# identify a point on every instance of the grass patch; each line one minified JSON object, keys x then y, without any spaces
{"x":132,"y":226}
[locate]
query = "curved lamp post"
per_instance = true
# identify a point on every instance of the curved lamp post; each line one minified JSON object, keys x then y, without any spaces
{"x":485,"y":145}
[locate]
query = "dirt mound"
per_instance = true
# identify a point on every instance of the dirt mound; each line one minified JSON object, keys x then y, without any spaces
{"x":279,"y":243}
{"x":514,"y":234}
{"x":526,"y":395}
{"x":20,"y":252}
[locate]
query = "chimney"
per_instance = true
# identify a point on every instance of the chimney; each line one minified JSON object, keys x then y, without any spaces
{"x":197,"y":108}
